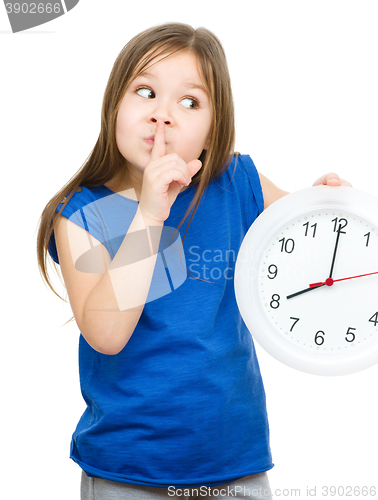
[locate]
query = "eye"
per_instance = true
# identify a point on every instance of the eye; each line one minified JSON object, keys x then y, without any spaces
{"x":145,"y":92}
{"x":190,"y":103}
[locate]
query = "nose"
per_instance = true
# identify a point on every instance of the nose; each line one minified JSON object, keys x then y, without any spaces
{"x":161,"y":111}
{"x":154,"y":119}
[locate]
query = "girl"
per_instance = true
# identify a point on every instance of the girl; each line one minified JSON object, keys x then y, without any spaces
{"x":168,"y":370}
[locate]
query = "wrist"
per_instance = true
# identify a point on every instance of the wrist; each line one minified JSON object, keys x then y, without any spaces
{"x":153,"y":234}
{"x":148,"y":220}
{"x":152,"y":222}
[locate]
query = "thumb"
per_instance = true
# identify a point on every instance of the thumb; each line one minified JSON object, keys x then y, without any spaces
{"x":158,"y":149}
{"x":194,"y":166}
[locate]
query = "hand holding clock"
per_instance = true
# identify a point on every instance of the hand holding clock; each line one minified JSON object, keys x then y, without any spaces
{"x":272,"y":193}
{"x":331,"y":179}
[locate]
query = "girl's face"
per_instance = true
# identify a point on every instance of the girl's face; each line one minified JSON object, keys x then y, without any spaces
{"x":171,"y":89}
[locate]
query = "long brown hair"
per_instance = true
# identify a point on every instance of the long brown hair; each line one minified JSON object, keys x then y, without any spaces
{"x":106,"y":162}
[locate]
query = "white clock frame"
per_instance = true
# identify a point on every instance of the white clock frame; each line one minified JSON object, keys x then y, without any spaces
{"x":247,"y":291}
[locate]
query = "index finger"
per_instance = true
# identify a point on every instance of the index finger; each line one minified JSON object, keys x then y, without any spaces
{"x":158,"y":149}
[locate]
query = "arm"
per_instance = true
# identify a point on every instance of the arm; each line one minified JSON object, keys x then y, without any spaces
{"x":271,"y":192}
{"x":108,"y":302}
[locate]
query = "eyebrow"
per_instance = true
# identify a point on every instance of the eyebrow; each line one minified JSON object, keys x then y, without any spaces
{"x":186,"y":84}
{"x":196,"y":86}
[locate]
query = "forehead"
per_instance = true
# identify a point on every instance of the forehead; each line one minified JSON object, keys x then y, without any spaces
{"x":182,"y":65}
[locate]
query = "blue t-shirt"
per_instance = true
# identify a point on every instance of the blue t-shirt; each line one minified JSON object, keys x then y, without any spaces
{"x":183,"y":403}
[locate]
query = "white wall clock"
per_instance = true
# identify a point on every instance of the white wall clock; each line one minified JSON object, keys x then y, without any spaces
{"x":306,"y":280}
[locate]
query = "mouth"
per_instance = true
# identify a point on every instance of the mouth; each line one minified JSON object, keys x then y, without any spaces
{"x":150,"y":140}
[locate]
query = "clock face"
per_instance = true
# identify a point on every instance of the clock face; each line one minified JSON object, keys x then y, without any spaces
{"x":324,"y":320}
{"x":307,"y":286}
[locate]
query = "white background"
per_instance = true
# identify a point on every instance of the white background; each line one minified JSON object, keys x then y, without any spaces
{"x":305,"y":83}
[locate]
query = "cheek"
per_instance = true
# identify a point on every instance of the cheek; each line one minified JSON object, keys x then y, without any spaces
{"x":193,"y":144}
{"x":125,"y":125}
{"x":204,"y":134}
{"x":122,"y":137}
{"x":200,"y":130}
{"x":126,"y":117}
{"x":206,"y":129}
{"x":119,"y":135}
{"x":122,"y":124}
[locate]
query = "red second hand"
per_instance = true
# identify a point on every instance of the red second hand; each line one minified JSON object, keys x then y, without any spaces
{"x":330,"y":281}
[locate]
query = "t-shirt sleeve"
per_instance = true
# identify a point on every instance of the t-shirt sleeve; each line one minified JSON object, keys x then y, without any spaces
{"x":256,"y":198}
{"x":106,"y":218}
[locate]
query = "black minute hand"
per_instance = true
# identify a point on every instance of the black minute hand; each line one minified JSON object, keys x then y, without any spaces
{"x":334,"y":252}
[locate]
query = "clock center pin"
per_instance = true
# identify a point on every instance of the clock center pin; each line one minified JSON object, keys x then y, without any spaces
{"x":329,"y":282}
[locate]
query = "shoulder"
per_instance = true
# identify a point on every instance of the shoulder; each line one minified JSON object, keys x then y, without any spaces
{"x":81,"y":197}
{"x":97,"y":207}
{"x":247,"y":178}
{"x":76,"y":207}
{"x":263,"y":189}
{"x":241,"y":169}
{"x":246,"y":166}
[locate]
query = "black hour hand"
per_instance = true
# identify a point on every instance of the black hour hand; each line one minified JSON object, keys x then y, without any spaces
{"x":304,"y":291}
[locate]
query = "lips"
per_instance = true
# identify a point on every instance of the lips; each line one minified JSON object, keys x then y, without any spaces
{"x":150,"y":140}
